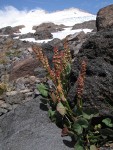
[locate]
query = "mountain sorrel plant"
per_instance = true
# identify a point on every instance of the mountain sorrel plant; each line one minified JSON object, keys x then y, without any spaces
{"x":76,"y":122}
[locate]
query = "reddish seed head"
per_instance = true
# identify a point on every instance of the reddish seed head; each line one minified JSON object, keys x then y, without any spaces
{"x":55,"y":50}
{"x":80,"y":80}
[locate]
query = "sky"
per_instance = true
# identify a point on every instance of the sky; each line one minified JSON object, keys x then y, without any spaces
{"x":91,"y":6}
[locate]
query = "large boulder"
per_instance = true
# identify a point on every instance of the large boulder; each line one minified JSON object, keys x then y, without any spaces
{"x":56,"y":43}
{"x":85,"y":25}
{"x":24,"y":68}
{"x":97,"y":51}
{"x":29,"y":128}
{"x":11,"y":30}
{"x":51,"y":27}
{"x":43,"y":35}
{"x":105,"y":18}
{"x":16,"y":29}
{"x":6,"y":30}
{"x":27,"y":35}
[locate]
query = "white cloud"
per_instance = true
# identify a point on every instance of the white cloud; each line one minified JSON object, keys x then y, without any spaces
{"x":10,"y":15}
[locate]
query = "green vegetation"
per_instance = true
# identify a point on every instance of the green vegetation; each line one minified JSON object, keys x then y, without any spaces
{"x":88,"y":129}
{"x":13,"y":53}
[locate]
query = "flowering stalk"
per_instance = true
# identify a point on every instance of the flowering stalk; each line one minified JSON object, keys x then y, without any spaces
{"x":38,"y":51}
{"x":80,"y":83}
{"x":58,"y":73}
{"x":67,"y":52}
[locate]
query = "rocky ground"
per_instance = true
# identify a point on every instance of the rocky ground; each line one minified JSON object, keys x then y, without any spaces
{"x":24,"y":123}
{"x":85,"y":25}
{"x":28,"y":127}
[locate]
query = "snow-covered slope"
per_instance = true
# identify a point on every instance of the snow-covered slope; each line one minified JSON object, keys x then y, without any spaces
{"x":13,"y":17}
{"x":60,"y":35}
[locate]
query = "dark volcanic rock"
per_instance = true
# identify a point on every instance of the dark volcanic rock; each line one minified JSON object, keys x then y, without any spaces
{"x":48,"y":48}
{"x":48,"y":51}
{"x":51,"y":27}
{"x":43,"y":35}
{"x":28,"y":35}
{"x":85,"y":25}
{"x":11,"y":30}
{"x":29,"y":128}
{"x":6,"y":30}
{"x":105,"y":18}
{"x":56,"y":43}
{"x":98,"y":89}
{"x":16,"y":29}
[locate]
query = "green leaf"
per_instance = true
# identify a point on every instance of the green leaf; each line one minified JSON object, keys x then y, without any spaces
{"x":78,"y":128}
{"x":93,"y":147}
{"x":61,"y":109}
{"x":51,"y":115}
{"x":77,"y":111}
{"x":78,"y":147}
{"x":43,"y":89}
{"x":68,"y":68}
{"x":87,"y":116}
{"x":83,"y":122}
{"x":71,"y":134}
{"x":93,"y":141}
{"x":90,"y":113}
{"x":79,"y":125}
{"x":107,"y":122}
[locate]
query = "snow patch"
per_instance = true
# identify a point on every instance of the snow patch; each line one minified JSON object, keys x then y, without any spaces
{"x":61,"y":35}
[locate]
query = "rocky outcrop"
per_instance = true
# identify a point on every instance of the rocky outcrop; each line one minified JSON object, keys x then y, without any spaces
{"x":85,"y":25}
{"x":11,"y":30}
{"x":43,"y":35}
{"x":16,"y":29}
{"x":12,"y":52}
{"x":28,"y":35}
{"x":51,"y":27}
{"x":38,"y":35}
{"x":97,"y":51}
{"x":104,"y":18}
{"x":56,"y":43}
